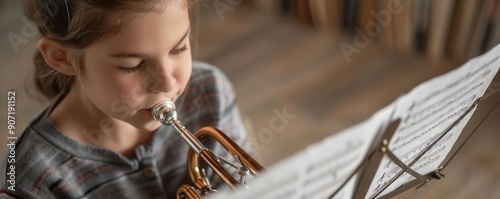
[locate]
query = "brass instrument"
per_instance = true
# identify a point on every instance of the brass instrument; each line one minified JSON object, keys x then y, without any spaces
{"x":167,"y":115}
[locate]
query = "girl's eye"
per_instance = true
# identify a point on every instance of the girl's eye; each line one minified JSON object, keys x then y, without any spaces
{"x":142,"y":64}
{"x":179,"y":51}
{"x":133,"y":69}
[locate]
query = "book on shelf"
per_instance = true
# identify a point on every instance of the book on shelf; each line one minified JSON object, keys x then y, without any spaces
{"x":459,"y":29}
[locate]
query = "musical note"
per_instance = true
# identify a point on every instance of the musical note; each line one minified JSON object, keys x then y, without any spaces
{"x":427,"y":111}
{"x":418,"y":118}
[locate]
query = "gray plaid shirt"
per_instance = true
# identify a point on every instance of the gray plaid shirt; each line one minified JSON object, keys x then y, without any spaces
{"x":51,"y":165}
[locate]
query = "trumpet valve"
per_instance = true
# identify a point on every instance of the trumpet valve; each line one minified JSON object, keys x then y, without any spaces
{"x":243,"y":172}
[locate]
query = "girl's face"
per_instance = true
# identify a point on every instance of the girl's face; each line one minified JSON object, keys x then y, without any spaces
{"x":147,"y":62}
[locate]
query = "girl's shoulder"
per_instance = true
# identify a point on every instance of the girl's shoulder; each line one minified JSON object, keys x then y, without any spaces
{"x":28,"y":162}
{"x":205,"y":71}
{"x":208,"y":82}
{"x":208,"y":95}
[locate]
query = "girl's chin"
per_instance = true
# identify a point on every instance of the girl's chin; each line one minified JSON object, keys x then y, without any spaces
{"x":143,"y":120}
{"x":151,"y":125}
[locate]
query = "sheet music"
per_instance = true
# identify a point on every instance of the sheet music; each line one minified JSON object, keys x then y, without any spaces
{"x":320,"y":169}
{"x":427,"y":111}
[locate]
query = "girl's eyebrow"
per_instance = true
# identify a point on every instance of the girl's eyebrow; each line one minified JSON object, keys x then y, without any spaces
{"x":185,"y":35}
{"x":138,"y":55}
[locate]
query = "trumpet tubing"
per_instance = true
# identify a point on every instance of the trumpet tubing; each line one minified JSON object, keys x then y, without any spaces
{"x":167,"y":115}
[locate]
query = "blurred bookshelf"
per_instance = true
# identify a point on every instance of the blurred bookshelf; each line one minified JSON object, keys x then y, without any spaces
{"x":444,"y":29}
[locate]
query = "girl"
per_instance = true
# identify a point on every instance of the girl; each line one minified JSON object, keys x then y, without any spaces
{"x":105,"y":64}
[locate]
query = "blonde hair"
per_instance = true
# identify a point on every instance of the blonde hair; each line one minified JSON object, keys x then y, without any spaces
{"x":77,"y":24}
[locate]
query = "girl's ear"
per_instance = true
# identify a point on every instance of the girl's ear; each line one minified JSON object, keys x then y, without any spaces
{"x":56,"y":56}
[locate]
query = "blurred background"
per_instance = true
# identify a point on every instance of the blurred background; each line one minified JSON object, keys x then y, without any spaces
{"x":328,"y":64}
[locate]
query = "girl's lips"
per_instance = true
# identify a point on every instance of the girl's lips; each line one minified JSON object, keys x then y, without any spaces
{"x":159,"y":102}
{"x":163,"y":101}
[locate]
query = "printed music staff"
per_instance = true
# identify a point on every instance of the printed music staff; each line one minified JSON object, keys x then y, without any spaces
{"x":403,"y":145}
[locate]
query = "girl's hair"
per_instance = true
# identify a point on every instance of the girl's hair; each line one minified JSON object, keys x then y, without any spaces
{"x":77,"y":24}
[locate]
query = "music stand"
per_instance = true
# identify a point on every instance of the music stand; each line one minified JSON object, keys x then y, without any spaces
{"x":368,"y":167}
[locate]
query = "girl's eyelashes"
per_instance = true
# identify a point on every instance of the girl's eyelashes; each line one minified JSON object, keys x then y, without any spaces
{"x":133,"y":69}
{"x":143,"y":63}
{"x":179,"y":50}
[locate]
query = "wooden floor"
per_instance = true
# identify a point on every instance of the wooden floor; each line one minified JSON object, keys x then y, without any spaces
{"x":278,"y":65}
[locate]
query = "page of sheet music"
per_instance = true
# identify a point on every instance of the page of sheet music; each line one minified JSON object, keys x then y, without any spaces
{"x":427,"y":111}
{"x":320,"y":169}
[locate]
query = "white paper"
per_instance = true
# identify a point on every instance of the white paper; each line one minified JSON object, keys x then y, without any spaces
{"x":320,"y":169}
{"x":427,"y":111}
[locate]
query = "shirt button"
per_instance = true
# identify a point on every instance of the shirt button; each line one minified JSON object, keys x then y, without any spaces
{"x":159,"y":197}
{"x":149,"y":171}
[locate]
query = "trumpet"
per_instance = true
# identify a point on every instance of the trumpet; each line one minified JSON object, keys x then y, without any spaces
{"x":167,"y":115}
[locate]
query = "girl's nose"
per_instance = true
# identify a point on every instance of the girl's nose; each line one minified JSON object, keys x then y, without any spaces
{"x":164,"y":81}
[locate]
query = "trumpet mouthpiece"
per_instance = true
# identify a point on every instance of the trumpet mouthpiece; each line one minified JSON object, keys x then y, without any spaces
{"x":164,"y":112}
